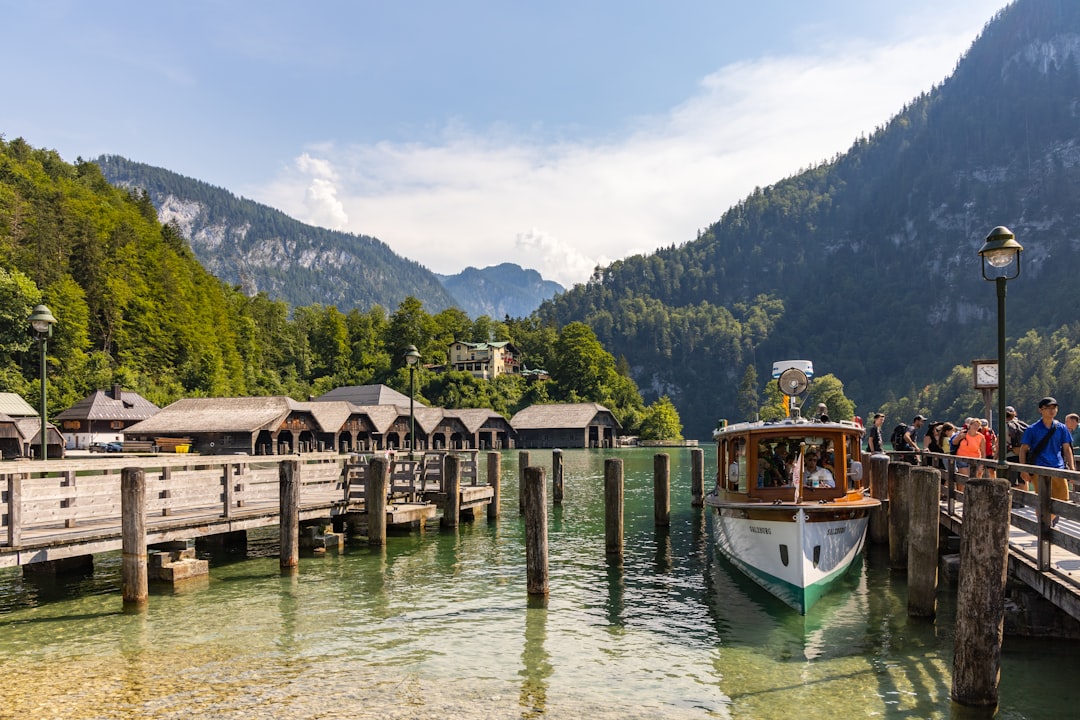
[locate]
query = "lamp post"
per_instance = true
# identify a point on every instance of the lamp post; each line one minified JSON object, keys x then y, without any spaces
{"x":411,"y":356}
{"x":1001,"y":257}
{"x":41,"y":322}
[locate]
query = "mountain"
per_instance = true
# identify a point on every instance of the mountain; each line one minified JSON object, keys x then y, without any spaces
{"x":868,"y":264}
{"x":499,"y":290}
{"x":261,"y":249}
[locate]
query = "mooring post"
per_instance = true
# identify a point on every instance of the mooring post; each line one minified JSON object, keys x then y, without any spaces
{"x":980,"y":594}
{"x":289,"y":519}
{"x":924,"y":520}
{"x":523,"y":462}
{"x":134,"y":581}
{"x":452,"y":508}
{"x":879,"y":489}
{"x":375,"y":484}
{"x":556,"y":476}
{"x":697,"y":477}
{"x":536,"y":540}
{"x":494,"y":478}
{"x":662,"y":489}
{"x":899,"y":493}
{"x":613,"y":506}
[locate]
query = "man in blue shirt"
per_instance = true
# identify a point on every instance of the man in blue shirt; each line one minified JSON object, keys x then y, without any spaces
{"x":1050,"y":445}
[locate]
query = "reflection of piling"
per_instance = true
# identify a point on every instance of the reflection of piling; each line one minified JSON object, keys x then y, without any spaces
{"x":523,"y":462}
{"x":133,"y":572}
{"x":378,"y":477}
{"x":452,"y":508}
{"x":662,"y":489}
{"x":899,"y":493}
{"x":697,"y":477}
{"x":924,"y":521}
{"x":536,"y":541}
{"x":556,"y":477}
{"x":494,"y":478}
{"x":879,"y":489}
{"x":980,"y":595}
{"x":613,"y":506}
{"x":289,"y":520}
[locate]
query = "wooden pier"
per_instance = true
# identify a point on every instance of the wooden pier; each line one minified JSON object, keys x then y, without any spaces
{"x":62,"y":509}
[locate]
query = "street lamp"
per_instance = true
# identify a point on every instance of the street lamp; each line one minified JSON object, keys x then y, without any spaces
{"x":1001,"y":256}
{"x":411,"y":356}
{"x":41,"y":322}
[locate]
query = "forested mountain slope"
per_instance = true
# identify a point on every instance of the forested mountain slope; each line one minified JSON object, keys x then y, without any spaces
{"x":263,"y":250}
{"x":867,"y":264}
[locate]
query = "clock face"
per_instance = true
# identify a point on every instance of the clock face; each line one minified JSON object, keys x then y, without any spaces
{"x":986,"y":375}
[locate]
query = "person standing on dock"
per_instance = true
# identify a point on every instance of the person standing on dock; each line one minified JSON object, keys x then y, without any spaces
{"x":875,"y":441}
{"x":1048,"y":444}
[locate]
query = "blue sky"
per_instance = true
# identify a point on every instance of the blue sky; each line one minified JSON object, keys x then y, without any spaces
{"x":557,"y":135}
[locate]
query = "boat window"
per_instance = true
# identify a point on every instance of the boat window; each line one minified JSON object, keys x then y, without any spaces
{"x":736,"y":468}
{"x":778,"y":458}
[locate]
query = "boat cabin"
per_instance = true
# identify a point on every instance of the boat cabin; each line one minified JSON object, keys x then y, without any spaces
{"x":760,"y":462}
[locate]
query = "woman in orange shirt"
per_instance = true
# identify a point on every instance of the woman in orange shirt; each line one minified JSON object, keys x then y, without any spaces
{"x":972,"y":445}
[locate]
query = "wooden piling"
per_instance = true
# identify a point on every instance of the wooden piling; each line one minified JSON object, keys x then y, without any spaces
{"x":494,"y":478}
{"x":924,"y":522}
{"x":556,"y":476}
{"x":899,"y":494}
{"x":536,"y":541}
{"x":523,"y":462}
{"x":289,"y":518}
{"x":697,"y":477}
{"x":879,"y":489}
{"x":662,"y":489}
{"x":375,"y":484}
{"x":452,"y":507}
{"x":613,"y":506}
{"x":134,"y":580}
{"x":980,"y":595}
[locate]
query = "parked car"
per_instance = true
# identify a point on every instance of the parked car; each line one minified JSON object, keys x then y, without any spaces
{"x":107,"y":447}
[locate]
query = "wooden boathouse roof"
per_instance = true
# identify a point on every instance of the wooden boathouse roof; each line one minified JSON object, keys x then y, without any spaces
{"x":368,"y":395}
{"x":105,"y":405}
{"x":222,"y":415}
{"x":13,"y":405}
{"x":560,"y":415}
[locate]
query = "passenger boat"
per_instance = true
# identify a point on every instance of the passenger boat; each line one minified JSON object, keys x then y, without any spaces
{"x":791,"y":505}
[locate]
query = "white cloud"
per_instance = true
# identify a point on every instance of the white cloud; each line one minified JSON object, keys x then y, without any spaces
{"x":563,"y":208}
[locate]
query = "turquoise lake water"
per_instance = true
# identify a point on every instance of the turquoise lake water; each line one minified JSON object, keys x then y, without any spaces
{"x":439,"y":626}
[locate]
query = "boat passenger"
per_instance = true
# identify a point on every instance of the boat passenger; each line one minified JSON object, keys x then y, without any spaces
{"x":817,"y":476}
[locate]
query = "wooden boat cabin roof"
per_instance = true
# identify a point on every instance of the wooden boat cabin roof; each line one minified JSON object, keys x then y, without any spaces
{"x":756,"y":461}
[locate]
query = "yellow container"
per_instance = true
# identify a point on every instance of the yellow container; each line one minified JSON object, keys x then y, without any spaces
{"x":182,"y":448}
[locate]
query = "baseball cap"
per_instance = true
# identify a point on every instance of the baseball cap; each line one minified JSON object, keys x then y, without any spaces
{"x":923,"y":417}
{"x":1010,"y":410}
{"x":1047,"y":401}
{"x":877,"y":415}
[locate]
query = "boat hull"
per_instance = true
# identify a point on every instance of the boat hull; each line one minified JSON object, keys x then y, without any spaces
{"x":795,"y":551}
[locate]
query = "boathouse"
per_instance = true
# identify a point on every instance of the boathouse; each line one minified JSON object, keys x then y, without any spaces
{"x":20,"y":430}
{"x":484,"y":429}
{"x":103,"y":416}
{"x":566,"y":425}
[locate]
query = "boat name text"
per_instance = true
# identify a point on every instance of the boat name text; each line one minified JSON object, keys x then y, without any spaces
{"x":760,"y":530}
{"x":836,"y":531}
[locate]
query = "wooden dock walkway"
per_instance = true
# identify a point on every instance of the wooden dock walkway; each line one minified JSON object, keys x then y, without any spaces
{"x":66,"y":508}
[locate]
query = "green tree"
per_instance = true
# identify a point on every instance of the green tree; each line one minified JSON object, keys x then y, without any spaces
{"x":661,"y":421}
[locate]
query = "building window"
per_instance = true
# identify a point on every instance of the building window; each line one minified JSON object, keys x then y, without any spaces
{"x":117,"y":424}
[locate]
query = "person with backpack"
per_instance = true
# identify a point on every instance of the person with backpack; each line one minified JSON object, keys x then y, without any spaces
{"x":905,"y":438}
{"x":1015,"y":428}
{"x":1048,"y":444}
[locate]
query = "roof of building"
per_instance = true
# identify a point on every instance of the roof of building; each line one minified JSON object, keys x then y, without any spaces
{"x":368,"y":395}
{"x":13,"y":405}
{"x":381,"y":416}
{"x":559,"y":415}
{"x":486,"y":345}
{"x":104,"y":405}
{"x":475,"y":418}
{"x":203,"y":415}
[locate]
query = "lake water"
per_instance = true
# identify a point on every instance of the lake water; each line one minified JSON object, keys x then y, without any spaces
{"x":439,"y":626}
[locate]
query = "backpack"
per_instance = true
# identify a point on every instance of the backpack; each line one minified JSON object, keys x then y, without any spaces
{"x":1016,"y":432}
{"x":897,"y":437}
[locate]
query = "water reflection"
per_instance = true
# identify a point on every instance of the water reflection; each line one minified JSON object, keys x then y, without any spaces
{"x":536,"y":660}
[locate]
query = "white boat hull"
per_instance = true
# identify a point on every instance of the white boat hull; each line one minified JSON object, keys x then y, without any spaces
{"x":794,"y":551}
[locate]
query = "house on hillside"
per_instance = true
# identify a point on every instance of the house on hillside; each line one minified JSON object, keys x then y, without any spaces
{"x":20,"y":430}
{"x":568,"y":425}
{"x":484,"y":360}
{"x":103,"y":416}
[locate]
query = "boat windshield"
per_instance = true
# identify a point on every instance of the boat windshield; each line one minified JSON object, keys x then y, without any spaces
{"x":756,"y":463}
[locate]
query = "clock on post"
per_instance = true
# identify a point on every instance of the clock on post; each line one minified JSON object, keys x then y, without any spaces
{"x":985,"y":374}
